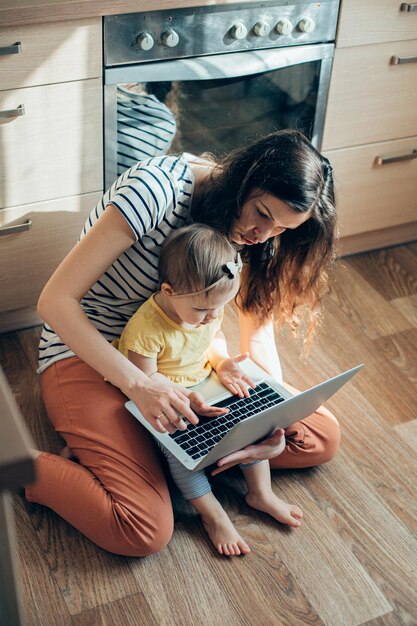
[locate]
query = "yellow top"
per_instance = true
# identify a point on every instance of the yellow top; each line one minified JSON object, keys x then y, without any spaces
{"x":180,"y":352}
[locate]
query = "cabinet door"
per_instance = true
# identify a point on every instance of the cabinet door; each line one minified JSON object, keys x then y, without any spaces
{"x":55,"y":148}
{"x":370,"y":196}
{"x":371,"y":99}
{"x":50,"y":53}
{"x":375,"y":21}
{"x":28,"y":258}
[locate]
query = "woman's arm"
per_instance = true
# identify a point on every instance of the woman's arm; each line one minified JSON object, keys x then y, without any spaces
{"x":260,"y":343}
{"x":59,"y":306}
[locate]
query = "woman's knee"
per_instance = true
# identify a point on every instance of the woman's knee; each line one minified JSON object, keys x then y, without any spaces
{"x":332,"y":442}
{"x":136,"y":537}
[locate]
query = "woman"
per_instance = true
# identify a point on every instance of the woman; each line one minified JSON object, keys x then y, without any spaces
{"x":274,"y":200}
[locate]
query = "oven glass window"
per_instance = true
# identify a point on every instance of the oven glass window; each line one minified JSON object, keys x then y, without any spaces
{"x":213,"y":115}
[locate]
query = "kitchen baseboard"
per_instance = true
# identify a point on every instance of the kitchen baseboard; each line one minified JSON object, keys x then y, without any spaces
{"x":19,"y":319}
{"x":375,"y":239}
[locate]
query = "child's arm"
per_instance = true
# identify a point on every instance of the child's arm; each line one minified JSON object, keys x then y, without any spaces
{"x":149,"y":366}
{"x":227,"y":367}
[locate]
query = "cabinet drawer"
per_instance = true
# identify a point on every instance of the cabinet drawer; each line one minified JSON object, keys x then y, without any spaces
{"x":374,"y":21}
{"x":28,"y":258}
{"x":55,"y":148}
{"x":50,"y":53}
{"x":370,"y":196}
{"x":371,"y":99}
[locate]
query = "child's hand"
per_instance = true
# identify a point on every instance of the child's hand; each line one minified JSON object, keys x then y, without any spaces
{"x":233,"y":377}
{"x":199,"y":406}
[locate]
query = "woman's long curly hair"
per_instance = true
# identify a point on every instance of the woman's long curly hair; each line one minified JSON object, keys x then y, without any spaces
{"x":287,"y":276}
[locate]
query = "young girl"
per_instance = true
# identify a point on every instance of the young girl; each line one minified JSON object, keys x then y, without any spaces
{"x":175,"y":338}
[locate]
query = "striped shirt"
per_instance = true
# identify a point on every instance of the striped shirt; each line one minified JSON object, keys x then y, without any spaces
{"x":145,"y":127}
{"x":154,"y":196}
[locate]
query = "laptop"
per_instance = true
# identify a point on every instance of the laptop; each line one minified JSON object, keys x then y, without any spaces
{"x":249,"y":420}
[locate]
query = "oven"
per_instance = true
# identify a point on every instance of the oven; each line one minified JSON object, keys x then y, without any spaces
{"x":212,"y":78}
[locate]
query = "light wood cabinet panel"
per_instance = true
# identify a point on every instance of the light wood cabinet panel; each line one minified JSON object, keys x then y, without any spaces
{"x":370,"y":196}
{"x":51,"y":53}
{"x":55,"y":149}
{"x":28,"y":258}
{"x":370,"y":99}
{"x":374,"y":21}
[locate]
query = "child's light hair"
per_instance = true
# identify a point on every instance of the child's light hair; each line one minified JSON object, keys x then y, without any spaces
{"x":195,"y":257}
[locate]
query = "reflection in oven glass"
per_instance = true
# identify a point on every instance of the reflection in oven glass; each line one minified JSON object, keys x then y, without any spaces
{"x":213,"y":115}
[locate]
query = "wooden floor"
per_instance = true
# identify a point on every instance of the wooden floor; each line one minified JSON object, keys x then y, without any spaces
{"x":354,"y":559}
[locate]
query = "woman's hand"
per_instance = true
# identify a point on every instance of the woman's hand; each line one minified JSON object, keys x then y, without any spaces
{"x":266,"y":449}
{"x":233,"y":377}
{"x":199,"y":405}
{"x":163,"y":405}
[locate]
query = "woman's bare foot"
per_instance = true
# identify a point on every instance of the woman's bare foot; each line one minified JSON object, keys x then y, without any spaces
{"x":224,"y":535}
{"x":67,"y":453}
{"x":268,"y":502}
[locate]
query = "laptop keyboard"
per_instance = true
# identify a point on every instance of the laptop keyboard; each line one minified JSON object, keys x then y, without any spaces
{"x":199,"y":439}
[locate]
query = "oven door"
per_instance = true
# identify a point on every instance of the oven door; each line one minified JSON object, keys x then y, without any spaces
{"x":212,"y":103}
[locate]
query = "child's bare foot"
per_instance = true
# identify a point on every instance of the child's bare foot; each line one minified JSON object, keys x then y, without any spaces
{"x":268,"y":502}
{"x":224,"y":535}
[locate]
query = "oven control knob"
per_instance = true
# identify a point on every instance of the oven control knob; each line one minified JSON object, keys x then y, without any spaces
{"x":306,"y":25}
{"x":170,"y":38}
{"x":261,"y":29}
{"x":238,"y":31}
{"x":145,"y":41}
{"x":284,"y":26}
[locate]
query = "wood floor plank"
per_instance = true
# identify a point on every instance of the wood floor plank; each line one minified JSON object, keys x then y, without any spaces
{"x":133,"y":610}
{"x":408,"y":432}
{"x":407,"y":307}
{"x":389,"y":619}
{"x":401,"y":350}
{"x":175,"y":596}
{"x":42,"y":602}
{"x":365,"y":307}
{"x":255,"y":589}
{"x":384,"y":546}
{"x":70,"y":557}
{"x":391,"y":271}
{"x":317,"y":547}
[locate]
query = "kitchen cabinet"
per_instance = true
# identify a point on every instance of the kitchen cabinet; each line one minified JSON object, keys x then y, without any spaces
{"x":50,"y":153}
{"x":370,"y":133}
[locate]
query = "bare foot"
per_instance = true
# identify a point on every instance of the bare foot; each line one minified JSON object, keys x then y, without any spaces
{"x":268,"y":502}
{"x":224,"y":535}
{"x":67,"y":453}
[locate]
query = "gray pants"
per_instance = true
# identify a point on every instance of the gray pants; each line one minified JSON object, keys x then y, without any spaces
{"x":191,"y":484}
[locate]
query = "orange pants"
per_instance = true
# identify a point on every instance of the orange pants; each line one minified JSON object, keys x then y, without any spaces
{"x":117,"y":494}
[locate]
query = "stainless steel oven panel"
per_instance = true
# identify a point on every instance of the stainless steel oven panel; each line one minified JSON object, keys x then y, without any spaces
{"x":208,"y":30}
{"x":208,"y":68}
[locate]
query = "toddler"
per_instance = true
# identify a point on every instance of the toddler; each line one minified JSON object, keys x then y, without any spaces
{"x":176,"y":336}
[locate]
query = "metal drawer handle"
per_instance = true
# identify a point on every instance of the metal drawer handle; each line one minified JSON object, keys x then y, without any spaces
{"x":16,"y":48}
{"x":11,"y":114}
{"x":394,"y":159}
{"x":407,"y":7}
{"x":401,"y":60}
{"x":18,"y":228}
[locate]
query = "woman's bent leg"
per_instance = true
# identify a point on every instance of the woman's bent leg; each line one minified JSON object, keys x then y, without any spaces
{"x":311,"y":441}
{"x":116,"y":495}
